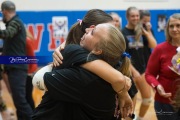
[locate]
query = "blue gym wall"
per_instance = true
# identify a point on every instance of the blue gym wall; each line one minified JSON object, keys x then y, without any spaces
{"x":44,"y":18}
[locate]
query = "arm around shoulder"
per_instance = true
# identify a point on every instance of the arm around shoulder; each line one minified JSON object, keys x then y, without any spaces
{"x":108,"y":73}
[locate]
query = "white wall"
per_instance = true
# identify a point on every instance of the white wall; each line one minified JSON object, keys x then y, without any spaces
{"x":51,"y":5}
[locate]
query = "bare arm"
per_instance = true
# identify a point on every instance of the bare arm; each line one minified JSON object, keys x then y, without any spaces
{"x":134,"y":72}
{"x":137,"y":77}
{"x":118,"y":81}
{"x":109,"y":74}
{"x":151,"y":40}
{"x":57,"y":56}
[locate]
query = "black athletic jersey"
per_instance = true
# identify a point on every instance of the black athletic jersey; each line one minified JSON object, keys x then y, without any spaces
{"x":147,"y":51}
{"x":135,"y":49}
{"x":75,"y":93}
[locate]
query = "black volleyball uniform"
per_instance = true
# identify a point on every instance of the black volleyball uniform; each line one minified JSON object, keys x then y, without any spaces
{"x":147,"y":51}
{"x":135,"y":49}
{"x":75,"y":93}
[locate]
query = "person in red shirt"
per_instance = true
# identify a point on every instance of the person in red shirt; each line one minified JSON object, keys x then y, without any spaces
{"x":158,"y":73}
{"x":31,"y":69}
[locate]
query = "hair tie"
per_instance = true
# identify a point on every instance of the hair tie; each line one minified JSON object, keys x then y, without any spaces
{"x":83,"y":25}
{"x":80,"y":21}
{"x":125,"y":54}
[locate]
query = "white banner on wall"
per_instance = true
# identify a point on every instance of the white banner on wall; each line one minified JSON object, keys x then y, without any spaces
{"x":58,"y":5}
{"x":145,"y":0}
{"x":60,"y":26}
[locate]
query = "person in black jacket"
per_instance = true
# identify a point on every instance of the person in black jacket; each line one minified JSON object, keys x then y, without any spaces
{"x":14,"y":37}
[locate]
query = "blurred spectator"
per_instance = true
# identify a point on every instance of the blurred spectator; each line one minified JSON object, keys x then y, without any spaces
{"x":14,"y":37}
{"x":135,"y":44}
{"x":31,"y":69}
{"x":158,"y":73}
{"x":145,"y":18}
{"x":116,"y":19}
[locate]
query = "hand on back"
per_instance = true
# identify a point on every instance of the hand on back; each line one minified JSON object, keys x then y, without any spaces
{"x":57,"y":56}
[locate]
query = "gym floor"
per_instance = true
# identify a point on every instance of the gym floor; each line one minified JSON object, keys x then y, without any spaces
{"x":150,"y":115}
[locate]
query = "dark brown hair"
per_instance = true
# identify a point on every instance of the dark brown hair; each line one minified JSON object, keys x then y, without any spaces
{"x":93,"y":17}
{"x":144,"y":13}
